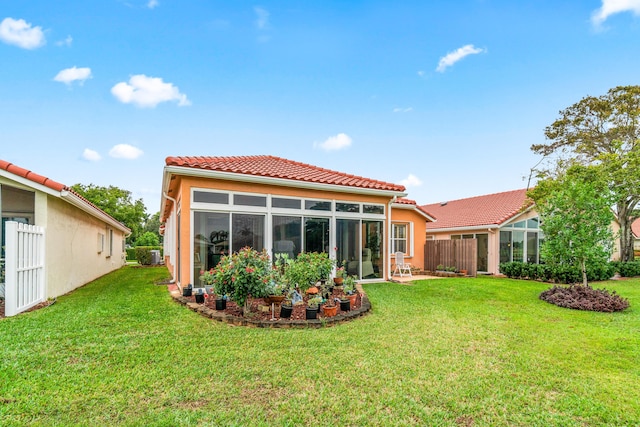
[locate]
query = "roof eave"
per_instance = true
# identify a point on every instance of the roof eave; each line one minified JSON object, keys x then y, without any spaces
{"x":80,"y":203}
{"x":253,"y":179}
{"x":413,"y":207}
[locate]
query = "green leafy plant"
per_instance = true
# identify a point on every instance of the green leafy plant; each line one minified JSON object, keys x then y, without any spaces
{"x":349,"y":284}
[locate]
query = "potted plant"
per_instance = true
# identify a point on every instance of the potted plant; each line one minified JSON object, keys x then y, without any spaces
{"x":312,"y":307}
{"x":186,"y":291}
{"x":329,"y":308}
{"x":349,"y":289}
{"x":199,"y":295}
{"x":339,"y":279}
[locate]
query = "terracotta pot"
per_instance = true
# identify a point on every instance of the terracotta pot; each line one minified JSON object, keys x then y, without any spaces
{"x":338,"y":280}
{"x":352,"y":300}
{"x":330,"y":311}
{"x":276,"y":299}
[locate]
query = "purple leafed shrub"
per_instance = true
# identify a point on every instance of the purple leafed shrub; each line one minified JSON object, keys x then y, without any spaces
{"x":579,"y":297}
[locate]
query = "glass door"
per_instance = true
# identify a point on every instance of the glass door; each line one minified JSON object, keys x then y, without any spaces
{"x":348,"y":245}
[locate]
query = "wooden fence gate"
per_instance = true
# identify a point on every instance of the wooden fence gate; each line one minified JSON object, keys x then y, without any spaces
{"x":24,"y":274}
{"x":459,"y":253}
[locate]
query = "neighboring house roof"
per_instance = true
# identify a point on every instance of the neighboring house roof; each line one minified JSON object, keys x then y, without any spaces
{"x":412,"y":204}
{"x":480,"y":211}
{"x":277,"y":167}
{"x":635,"y":228}
{"x":42,"y":183}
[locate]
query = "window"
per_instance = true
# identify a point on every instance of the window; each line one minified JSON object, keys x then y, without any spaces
{"x":317,"y":205}
{"x":100,"y":243}
{"x":287,"y":235}
{"x":211,"y":197}
{"x":348,"y":207}
{"x":373,"y":209}
{"x":109,"y":242}
{"x":399,"y":238}
{"x":247,"y":200}
{"x":279,"y":202}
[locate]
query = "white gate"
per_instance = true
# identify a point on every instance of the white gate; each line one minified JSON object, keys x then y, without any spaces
{"x":25,"y":275}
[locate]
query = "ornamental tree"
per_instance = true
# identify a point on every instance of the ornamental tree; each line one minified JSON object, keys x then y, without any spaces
{"x":576,"y":219}
{"x":602,"y":131}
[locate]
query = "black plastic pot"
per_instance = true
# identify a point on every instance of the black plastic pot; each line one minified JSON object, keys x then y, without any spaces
{"x":345,"y":304}
{"x":221,"y":303}
{"x":199,"y":298}
{"x":311,"y":313}
{"x":186,"y":292}
{"x":285,"y":311}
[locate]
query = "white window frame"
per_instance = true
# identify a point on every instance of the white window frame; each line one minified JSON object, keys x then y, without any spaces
{"x":408,"y":238}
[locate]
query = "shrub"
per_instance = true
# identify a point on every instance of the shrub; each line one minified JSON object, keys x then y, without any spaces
{"x":131,"y":254}
{"x":579,"y":297}
{"x":143,"y":254}
{"x":627,"y":269}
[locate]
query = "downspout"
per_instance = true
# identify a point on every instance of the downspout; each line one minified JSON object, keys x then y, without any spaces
{"x":175,"y":203}
{"x":388,"y":246}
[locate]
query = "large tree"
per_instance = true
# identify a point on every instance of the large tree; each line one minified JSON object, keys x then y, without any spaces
{"x":602,"y":131}
{"x":575,"y":216}
{"x":117,"y":203}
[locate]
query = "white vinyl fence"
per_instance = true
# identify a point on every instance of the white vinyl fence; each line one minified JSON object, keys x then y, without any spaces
{"x":24,"y":274}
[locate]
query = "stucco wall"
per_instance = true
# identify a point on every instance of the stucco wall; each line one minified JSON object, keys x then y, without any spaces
{"x":72,"y":257}
{"x":419,"y":226}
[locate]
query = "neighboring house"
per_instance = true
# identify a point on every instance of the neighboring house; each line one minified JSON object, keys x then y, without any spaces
{"x":505,"y":225}
{"x":80,"y":241}
{"x":635,"y":229}
{"x":212,"y":206}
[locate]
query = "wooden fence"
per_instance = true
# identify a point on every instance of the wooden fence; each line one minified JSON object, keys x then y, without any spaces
{"x":459,"y":253}
{"x":25,"y":279}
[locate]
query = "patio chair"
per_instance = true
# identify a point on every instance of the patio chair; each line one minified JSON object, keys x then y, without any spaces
{"x":402,"y":267}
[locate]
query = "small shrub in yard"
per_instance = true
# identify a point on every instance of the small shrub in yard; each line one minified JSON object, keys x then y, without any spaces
{"x":579,"y":297}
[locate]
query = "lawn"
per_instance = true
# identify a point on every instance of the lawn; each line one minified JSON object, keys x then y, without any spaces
{"x":453,"y":351}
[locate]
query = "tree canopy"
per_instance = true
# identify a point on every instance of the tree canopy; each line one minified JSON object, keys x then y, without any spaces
{"x":576,"y":219}
{"x":117,"y":203}
{"x":603,"y":131}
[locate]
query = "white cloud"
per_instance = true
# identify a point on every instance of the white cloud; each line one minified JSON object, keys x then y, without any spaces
{"x":125,"y":151}
{"x":144,"y":91}
{"x":20,"y":33}
{"x":152,"y":4}
{"x":91,"y":155}
{"x":65,"y":42}
{"x":69,"y":75}
{"x":411,"y":181}
{"x":262,"y":20}
{"x":334,"y":143}
{"x":452,"y":57}
{"x":403,"y":110}
{"x":611,"y":7}
{"x":422,"y":73}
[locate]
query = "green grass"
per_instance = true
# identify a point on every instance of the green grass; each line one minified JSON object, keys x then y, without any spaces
{"x":442,"y":352}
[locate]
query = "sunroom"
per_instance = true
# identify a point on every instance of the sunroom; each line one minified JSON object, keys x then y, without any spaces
{"x":213,"y":206}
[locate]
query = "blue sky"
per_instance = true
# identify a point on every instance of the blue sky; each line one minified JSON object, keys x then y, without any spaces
{"x":445,"y":97}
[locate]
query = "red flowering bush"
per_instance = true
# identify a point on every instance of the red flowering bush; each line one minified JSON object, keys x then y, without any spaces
{"x":243,"y":274}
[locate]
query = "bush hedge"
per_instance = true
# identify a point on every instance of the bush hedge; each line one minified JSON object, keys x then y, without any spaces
{"x":566,"y":273}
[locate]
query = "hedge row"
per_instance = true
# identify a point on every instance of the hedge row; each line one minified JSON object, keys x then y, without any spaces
{"x":568,"y":274}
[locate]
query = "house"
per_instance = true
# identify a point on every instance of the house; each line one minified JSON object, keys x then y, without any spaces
{"x":635,"y":229}
{"x":505,"y":225}
{"x":212,"y":206}
{"x":78,"y":242}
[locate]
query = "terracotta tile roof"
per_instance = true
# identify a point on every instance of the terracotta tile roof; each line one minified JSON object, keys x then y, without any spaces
{"x":491,"y":209}
{"x":635,"y":228}
{"x":31,"y":176}
{"x":54,"y":185}
{"x":277,"y":167}
{"x":405,"y":201}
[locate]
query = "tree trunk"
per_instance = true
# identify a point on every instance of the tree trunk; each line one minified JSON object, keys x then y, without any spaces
{"x":584,"y":272}
{"x":626,"y":235}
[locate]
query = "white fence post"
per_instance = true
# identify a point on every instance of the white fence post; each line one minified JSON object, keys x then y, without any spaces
{"x":25,"y":270}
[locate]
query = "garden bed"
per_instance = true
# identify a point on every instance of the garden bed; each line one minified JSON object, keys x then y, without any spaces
{"x":265,"y":318}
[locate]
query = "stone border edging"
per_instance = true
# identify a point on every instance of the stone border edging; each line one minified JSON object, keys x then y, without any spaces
{"x":221,"y":316}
